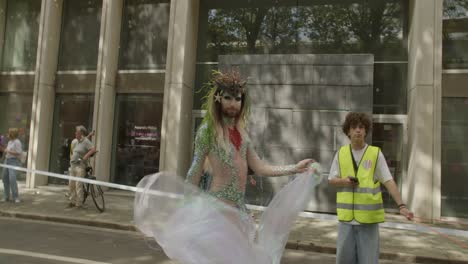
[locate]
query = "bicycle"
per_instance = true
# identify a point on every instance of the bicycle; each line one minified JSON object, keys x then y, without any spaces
{"x":95,"y":190}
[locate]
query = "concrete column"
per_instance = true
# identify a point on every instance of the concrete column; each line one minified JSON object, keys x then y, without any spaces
{"x":103,"y":115}
{"x":421,"y":187}
{"x":44,"y":91}
{"x":2,"y":28}
{"x":178,"y":87}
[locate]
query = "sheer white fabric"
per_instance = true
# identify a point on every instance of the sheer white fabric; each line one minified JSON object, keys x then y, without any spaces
{"x":195,"y":228}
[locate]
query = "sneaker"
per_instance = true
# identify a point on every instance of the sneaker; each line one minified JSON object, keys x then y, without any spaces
{"x":17,"y":200}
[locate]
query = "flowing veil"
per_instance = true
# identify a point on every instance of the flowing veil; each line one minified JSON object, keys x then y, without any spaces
{"x":195,"y":228}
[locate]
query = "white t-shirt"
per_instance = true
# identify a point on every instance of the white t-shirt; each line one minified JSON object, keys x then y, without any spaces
{"x":382,"y":173}
{"x":14,"y":145}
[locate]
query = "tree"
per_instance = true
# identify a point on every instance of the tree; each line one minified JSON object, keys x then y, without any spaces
{"x":251,"y":20}
{"x":349,"y":27}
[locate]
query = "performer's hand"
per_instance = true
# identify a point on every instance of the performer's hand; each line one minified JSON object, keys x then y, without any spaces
{"x":303,"y":165}
{"x":406,"y":213}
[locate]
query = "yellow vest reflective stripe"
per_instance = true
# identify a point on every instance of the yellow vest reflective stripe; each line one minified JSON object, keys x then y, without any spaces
{"x":364,"y":202}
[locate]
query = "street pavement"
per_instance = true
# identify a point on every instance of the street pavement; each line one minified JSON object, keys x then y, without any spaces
{"x":32,"y":241}
{"x":44,"y":242}
{"x":314,"y":235}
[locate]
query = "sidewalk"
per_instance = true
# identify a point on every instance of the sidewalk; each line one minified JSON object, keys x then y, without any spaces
{"x":310,"y":234}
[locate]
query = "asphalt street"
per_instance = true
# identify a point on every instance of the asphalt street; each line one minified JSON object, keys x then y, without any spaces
{"x":40,"y":242}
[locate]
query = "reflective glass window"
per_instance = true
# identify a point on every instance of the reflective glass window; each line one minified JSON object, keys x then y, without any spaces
{"x":15,"y":112}
{"x":278,"y":27}
{"x":137,"y":137}
{"x":389,"y":138}
{"x":79,"y":41}
{"x":455,"y":34}
{"x":454,"y":158}
{"x":390,"y":96}
{"x":70,"y":110}
{"x":145,"y":27}
{"x":21,"y":35}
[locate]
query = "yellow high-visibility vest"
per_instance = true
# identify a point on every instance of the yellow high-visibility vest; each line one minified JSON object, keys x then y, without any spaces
{"x":363,"y":202}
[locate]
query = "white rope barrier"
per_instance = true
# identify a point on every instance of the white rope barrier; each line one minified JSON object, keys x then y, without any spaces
{"x":327,"y":217}
{"x":90,"y":181}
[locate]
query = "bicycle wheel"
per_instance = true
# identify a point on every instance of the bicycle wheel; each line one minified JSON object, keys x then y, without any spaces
{"x":98,"y":197}
{"x":85,"y":192}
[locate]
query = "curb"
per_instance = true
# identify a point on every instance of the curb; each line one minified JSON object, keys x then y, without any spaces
{"x":400,"y":257}
{"x":294,"y":245}
{"x":67,"y":220}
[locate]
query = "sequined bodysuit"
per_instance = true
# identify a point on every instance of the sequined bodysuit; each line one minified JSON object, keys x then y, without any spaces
{"x":229,"y":166}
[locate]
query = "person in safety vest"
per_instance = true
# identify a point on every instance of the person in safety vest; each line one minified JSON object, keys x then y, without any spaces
{"x":358,"y":170}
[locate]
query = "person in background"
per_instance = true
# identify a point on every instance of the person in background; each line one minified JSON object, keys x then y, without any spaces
{"x":13,"y":152}
{"x":81,"y":150}
{"x":2,"y":146}
{"x":68,"y":147}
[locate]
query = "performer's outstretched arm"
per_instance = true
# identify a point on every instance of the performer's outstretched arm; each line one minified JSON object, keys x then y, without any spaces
{"x":199,"y":155}
{"x":261,"y":168}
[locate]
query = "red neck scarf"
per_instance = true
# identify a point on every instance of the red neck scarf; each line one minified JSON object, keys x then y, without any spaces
{"x":235,"y":137}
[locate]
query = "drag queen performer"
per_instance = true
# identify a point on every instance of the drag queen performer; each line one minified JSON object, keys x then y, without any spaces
{"x":214,"y":226}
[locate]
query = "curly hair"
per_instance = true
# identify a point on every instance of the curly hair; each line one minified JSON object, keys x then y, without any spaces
{"x":353,"y":119}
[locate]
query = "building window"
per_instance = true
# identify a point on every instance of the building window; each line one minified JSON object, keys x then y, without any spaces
{"x":145,"y":27}
{"x":15,"y":112}
{"x":389,"y":138}
{"x":137,"y":137}
{"x":455,"y":34}
{"x":79,"y":39}
{"x":70,"y":110}
{"x":311,"y":27}
{"x":454,"y":158}
{"x":21,"y":35}
{"x":390,"y":96}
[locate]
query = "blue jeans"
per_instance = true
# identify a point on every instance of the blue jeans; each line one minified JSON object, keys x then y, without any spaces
{"x":9,"y":179}
{"x":357,"y":244}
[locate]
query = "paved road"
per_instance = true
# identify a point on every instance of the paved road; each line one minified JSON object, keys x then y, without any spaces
{"x":25,"y":241}
{"x":37,"y":242}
